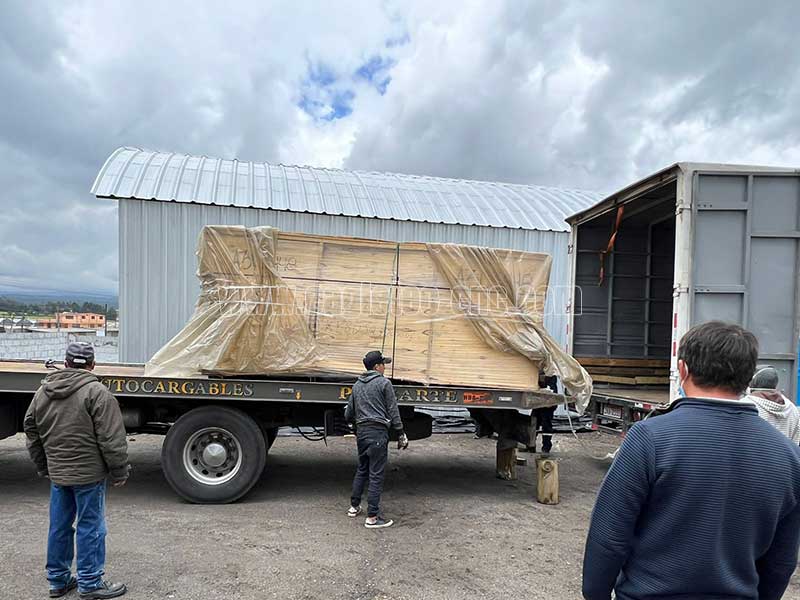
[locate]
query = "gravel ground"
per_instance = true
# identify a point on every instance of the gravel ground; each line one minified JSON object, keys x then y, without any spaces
{"x":460,"y":532}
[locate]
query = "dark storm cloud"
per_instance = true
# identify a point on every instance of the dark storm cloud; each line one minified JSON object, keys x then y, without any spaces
{"x":593,"y":94}
{"x":79,"y":80}
{"x":580,"y":94}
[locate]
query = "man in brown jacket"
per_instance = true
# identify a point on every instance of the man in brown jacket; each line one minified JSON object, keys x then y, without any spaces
{"x":76,"y":437}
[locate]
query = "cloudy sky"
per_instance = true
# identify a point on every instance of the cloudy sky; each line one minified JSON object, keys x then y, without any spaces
{"x":577,"y":94}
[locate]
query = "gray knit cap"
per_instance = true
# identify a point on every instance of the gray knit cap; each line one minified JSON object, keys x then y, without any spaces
{"x":766,"y":378}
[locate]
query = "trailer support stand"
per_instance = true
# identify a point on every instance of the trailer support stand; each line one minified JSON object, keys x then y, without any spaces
{"x":506,"y":458}
{"x":547,"y":480}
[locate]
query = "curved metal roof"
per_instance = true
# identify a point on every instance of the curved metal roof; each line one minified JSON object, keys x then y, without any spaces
{"x":147,"y":175}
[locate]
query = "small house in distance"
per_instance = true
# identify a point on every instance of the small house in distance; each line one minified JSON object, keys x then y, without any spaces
{"x":72,"y":320}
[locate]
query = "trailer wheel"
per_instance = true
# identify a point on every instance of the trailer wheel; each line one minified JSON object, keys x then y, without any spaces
{"x":213,"y":455}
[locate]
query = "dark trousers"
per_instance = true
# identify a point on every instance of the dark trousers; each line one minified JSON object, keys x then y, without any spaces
{"x":84,"y":506}
{"x":544,"y":419}
{"x":373,"y":452}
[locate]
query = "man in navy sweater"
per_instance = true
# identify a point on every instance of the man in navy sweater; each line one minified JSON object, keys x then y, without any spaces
{"x":703,"y":502}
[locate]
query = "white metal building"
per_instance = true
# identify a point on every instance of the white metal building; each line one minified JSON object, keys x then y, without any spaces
{"x":165,"y":199}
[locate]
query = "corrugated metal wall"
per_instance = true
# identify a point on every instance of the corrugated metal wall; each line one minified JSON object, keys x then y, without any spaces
{"x":158,"y":286}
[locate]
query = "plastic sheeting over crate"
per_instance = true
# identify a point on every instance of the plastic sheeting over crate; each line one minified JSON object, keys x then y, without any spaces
{"x":277,"y":303}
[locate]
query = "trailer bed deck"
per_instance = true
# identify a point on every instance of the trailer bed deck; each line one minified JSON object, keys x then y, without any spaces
{"x":101,"y":370}
{"x":616,"y":409}
{"x":129,"y":381}
{"x":636,"y":394}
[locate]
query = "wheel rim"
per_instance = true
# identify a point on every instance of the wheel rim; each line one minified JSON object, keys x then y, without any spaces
{"x":212,"y":456}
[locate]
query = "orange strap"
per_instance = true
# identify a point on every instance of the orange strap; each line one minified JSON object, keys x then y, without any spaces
{"x":610,"y":246}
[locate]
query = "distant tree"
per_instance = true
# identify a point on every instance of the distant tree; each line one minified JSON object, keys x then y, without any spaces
{"x":9,"y":305}
{"x":51,"y":307}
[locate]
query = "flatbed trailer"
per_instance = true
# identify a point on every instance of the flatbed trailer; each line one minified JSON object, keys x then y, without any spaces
{"x":616,"y":409}
{"x":219,"y":430}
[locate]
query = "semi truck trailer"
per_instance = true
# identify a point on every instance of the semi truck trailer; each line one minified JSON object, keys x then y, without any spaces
{"x":280,"y":327}
{"x":218,"y":431}
{"x":691,"y":243}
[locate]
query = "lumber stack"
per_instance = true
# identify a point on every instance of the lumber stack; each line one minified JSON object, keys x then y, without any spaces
{"x":286,"y":303}
{"x":358,"y":295}
{"x":627,"y":371}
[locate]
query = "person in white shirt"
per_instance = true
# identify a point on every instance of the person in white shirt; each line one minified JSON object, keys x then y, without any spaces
{"x":772,"y":405}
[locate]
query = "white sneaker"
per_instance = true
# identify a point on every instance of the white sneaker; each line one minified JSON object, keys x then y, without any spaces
{"x":353,"y":511}
{"x":378,"y":523}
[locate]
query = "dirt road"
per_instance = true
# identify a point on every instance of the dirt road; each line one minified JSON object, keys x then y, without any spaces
{"x":460,"y":532}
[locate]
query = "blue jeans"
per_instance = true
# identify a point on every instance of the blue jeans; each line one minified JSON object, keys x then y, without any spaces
{"x":373,"y":452}
{"x":87,"y":504}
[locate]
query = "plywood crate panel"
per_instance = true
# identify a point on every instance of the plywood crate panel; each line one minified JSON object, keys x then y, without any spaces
{"x":359,"y":295}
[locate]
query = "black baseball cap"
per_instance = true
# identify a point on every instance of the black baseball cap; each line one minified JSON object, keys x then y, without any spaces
{"x":80,"y":353}
{"x":374,"y":357}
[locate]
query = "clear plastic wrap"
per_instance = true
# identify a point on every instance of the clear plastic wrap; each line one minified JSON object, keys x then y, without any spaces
{"x":277,"y":303}
{"x":518,"y":325}
{"x":240,"y":325}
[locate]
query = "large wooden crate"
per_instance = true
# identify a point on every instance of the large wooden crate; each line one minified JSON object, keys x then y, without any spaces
{"x":356,"y":295}
{"x":359,"y":295}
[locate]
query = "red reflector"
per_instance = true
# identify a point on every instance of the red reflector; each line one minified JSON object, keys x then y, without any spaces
{"x":675,"y":321}
{"x":646,"y":406}
{"x":674,"y":348}
{"x":594,"y":426}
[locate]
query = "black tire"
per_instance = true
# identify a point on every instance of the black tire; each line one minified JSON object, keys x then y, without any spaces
{"x":235,"y":427}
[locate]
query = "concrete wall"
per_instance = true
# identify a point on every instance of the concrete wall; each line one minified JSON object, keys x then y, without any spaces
{"x":52,"y":344}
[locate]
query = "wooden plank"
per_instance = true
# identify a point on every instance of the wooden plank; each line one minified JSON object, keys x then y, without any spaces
{"x":627,"y":371}
{"x":631,"y":380}
{"x":652,"y":381}
{"x":613,"y":379}
{"x":459,"y":355}
{"x":622,"y":362}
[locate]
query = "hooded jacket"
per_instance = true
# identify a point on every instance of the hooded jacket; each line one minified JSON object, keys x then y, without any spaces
{"x":75,"y":431}
{"x":373,"y":401}
{"x":777,"y":410}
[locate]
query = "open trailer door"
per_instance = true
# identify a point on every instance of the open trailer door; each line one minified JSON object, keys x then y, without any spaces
{"x":746,"y":259}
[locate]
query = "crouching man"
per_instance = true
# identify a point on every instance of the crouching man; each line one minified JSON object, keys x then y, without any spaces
{"x":76,"y":437}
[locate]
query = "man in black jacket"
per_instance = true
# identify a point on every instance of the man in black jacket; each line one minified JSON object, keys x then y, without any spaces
{"x":373,"y":408}
{"x":76,"y":438}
